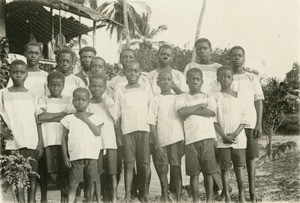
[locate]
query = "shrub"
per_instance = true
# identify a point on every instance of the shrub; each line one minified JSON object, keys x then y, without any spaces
{"x":290,"y":125}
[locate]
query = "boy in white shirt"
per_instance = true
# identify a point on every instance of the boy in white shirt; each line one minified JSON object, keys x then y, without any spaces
{"x":99,"y":105}
{"x":132,"y":107}
{"x":50,"y":110}
{"x":167,"y":132}
{"x":231,"y":117}
{"x":17,"y":108}
{"x":199,"y":135}
{"x":81,"y":145}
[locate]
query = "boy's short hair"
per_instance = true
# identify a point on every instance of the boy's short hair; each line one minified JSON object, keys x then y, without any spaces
{"x":99,"y":58}
{"x":164,"y":72}
{"x":193,"y":71}
{"x":165,"y":46}
{"x":64,"y":51}
{"x":101,"y":76}
{"x":81,"y":89}
{"x":127,"y":49}
{"x":237,"y":47}
{"x":17,"y":62}
{"x":35,"y":44}
{"x":55,"y":75}
{"x":201,"y":40}
{"x":88,"y":48}
{"x":223,"y":68}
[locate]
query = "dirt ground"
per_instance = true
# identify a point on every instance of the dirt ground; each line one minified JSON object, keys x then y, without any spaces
{"x":277,"y":181}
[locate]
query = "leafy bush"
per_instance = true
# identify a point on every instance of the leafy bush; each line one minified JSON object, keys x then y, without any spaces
{"x":290,"y":125}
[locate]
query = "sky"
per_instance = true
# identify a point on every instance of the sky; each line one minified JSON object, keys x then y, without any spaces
{"x":268,"y":30}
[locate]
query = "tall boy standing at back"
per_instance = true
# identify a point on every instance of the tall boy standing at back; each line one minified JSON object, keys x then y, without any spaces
{"x":199,"y":135}
{"x":17,"y":107}
{"x":247,"y":84}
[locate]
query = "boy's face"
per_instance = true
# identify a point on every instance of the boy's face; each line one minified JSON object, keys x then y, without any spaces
{"x":97,"y":87}
{"x":64,"y":63}
{"x":81,"y":101}
{"x":194,"y":82}
{"x":126,"y":57}
{"x":225,"y":78}
{"x":18,"y":74}
{"x":86,"y":58}
{"x":132,"y":73}
{"x":97,"y":66}
{"x":56,"y":86}
{"x":165,"y":56}
{"x":33,"y":55}
{"x":165,"y":82}
{"x":203,"y":51}
{"x":237,"y":58}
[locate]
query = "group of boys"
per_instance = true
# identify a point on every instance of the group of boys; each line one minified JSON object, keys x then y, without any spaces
{"x":86,"y":125}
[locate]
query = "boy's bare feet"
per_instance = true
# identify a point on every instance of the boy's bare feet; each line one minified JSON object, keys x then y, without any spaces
{"x":221,"y":197}
{"x":255,"y":198}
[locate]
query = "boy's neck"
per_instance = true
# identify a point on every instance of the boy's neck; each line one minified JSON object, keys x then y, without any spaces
{"x":195,"y":92}
{"x":205,"y":62}
{"x":164,"y":67}
{"x":166,"y":93}
{"x":67,"y":73}
{"x":133,"y":85}
{"x":51,"y":96}
{"x":35,"y":68}
{"x":229,"y":91}
{"x":238,"y":70}
{"x":19,"y":88}
{"x":96,"y":99}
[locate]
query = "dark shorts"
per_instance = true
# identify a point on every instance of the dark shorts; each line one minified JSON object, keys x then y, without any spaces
{"x":26,"y":153}
{"x":252,"y":150}
{"x":84,"y":170}
{"x":200,"y":157}
{"x":110,"y":161}
{"x":100,"y":162}
{"x":174,"y":155}
{"x":54,"y":159}
{"x":136,"y":147}
{"x":228,"y":155}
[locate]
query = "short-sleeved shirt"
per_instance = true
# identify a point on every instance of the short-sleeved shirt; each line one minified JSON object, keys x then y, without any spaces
{"x":178,"y":79}
{"x":108,"y":135}
{"x":71,"y":83}
{"x":230,"y":113}
{"x":82,"y":143}
{"x":249,"y":87}
{"x":18,"y":112}
{"x":210,"y":84}
{"x":196,"y":128}
{"x":132,"y":106}
{"x":163,"y":114}
{"x":36,"y":83}
{"x":52,"y":131}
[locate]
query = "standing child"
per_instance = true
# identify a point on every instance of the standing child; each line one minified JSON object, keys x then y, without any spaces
{"x":17,"y":107}
{"x":132,"y":107}
{"x":231,"y":117}
{"x":81,"y":145}
{"x":99,"y":106}
{"x":248,"y":86}
{"x":51,"y":109}
{"x":199,"y":135}
{"x":167,"y":132}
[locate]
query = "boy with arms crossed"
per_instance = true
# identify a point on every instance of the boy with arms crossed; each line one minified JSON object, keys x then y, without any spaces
{"x":167,"y":132}
{"x":17,"y":107}
{"x":199,"y":135}
{"x":81,"y":145}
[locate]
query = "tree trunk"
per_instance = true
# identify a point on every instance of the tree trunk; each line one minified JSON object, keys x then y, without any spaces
{"x":2,"y":18}
{"x":198,"y":30}
{"x":270,"y":150}
{"x":126,"y":29}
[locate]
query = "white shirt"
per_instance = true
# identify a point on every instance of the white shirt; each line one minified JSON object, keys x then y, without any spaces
{"x":71,"y":83}
{"x":163,"y":114}
{"x":18,"y":112}
{"x":52,"y":131}
{"x":82,"y":143}
{"x":230,"y":113}
{"x":196,"y":128}
{"x":248,"y":86}
{"x":210,"y":84}
{"x":36,"y":83}
{"x":108,"y":135}
{"x":132,"y":106}
{"x":178,"y":79}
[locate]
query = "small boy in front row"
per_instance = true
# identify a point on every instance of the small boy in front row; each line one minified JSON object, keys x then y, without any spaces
{"x":99,"y":105}
{"x":131,"y":105}
{"x":81,"y":145}
{"x":199,"y":135}
{"x":232,"y":114}
{"x":17,"y":108}
{"x":167,"y":131}
{"x":50,"y":110}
